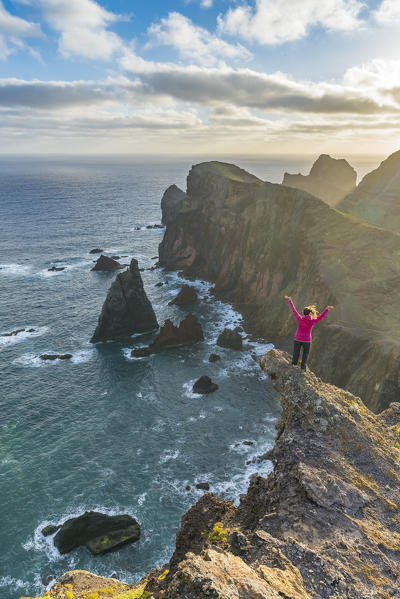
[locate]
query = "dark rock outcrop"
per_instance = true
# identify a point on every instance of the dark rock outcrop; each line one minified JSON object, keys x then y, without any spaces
{"x":17,"y":332}
{"x":329,"y":179}
{"x":50,"y":529}
{"x":56,"y":268}
{"x":98,"y":532}
{"x":203,"y":486}
{"x":171,"y":203}
{"x":259,"y":241}
{"x":187,"y":295}
{"x":204,"y":385}
{"x":230,"y":338}
{"x":127,"y":309}
{"x":106,"y":263}
{"x":188,"y":332}
{"x":96,"y":251}
{"x":376,"y":199}
{"x":56,"y":356}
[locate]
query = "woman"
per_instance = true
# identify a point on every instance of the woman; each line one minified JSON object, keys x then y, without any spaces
{"x":302,"y":338}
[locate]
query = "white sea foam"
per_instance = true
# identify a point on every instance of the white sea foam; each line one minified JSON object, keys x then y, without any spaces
{"x":8,"y":581}
{"x":14,"y":269}
{"x":23,"y":335}
{"x":187,"y":388}
{"x":168,"y":455}
{"x":82,"y":356}
{"x":34,"y":360}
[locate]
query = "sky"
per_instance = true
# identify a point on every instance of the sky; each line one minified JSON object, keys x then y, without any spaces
{"x":191,"y":77}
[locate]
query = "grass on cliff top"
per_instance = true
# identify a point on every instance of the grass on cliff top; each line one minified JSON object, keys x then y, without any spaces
{"x":230,"y":171}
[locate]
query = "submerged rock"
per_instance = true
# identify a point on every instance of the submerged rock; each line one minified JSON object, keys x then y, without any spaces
{"x":106,"y":263}
{"x":204,"y":385}
{"x":98,"y":532}
{"x":171,"y":203}
{"x":187,"y":295}
{"x":231,"y":339}
{"x":17,"y":332}
{"x":96,"y":251}
{"x":56,"y":268}
{"x":329,"y":179}
{"x":214,"y":358}
{"x":203,"y":486}
{"x":127,"y":309}
{"x":56,"y":356}
{"x":188,"y":332}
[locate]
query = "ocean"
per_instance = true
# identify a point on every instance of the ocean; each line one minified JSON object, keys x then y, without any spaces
{"x":104,"y":431}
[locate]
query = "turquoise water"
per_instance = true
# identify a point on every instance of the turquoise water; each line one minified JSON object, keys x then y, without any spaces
{"x":104,"y":431}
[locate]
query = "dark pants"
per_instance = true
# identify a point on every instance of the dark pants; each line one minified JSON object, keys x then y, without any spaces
{"x":296,"y":352}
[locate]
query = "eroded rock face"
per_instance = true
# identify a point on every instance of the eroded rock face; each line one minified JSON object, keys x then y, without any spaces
{"x":171,"y":203}
{"x":98,"y":532}
{"x":187,"y":295}
{"x":329,"y":179}
{"x":258,"y":242}
{"x":376,"y":199}
{"x":188,"y":332}
{"x":106,"y":263}
{"x":127,"y":309}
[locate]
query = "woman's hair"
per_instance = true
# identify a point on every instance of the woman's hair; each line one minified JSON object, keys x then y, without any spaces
{"x":311,"y":310}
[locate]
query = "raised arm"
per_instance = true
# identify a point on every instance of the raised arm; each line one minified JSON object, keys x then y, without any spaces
{"x":324,"y":313}
{"x":292,"y":307}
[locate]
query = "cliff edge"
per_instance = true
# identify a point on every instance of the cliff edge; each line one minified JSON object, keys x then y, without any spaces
{"x":259,"y":241}
{"x":325,"y":523}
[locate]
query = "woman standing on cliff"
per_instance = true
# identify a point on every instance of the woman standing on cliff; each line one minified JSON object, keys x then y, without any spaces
{"x":302,"y":338}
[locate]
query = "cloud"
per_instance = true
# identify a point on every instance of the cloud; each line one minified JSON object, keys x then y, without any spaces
{"x":279,"y":21}
{"x":193,"y":42}
{"x":388,"y":12}
{"x":206,"y":3}
{"x":12,"y":30}
{"x":83,"y":27}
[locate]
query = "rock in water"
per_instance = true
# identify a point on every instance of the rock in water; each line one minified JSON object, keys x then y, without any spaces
{"x":96,"y":251}
{"x":231,"y":339}
{"x":50,"y":529}
{"x":127,"y":309}
{"x":98,"y":532}
{"x":106,"y":263}
{"x":214,"y":358}
{"x":171,"y":203}
{"x":204,"y":385}
{"x":188,"y":332}
{"x":329,"y":179}
{"x":187,"y":295}
{"x":56,"y":356}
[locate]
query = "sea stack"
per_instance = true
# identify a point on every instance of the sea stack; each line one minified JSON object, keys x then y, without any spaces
{"x":329,"y":179}
{"x":171,"y":203}
{"x":127,"y":309}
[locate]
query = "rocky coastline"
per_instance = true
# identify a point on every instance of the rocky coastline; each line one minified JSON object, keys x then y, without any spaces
{"x":325,"y":523}
{"x":259,"y":241}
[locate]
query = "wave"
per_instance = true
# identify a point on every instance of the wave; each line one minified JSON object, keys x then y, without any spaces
{"x":34,"y":360}
{"x":14,"y":269}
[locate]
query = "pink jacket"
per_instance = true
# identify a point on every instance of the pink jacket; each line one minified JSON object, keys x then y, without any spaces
{"x":305,"y":324}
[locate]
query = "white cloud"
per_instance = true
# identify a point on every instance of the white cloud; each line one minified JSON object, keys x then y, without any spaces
{"x":193,"y":42}
{"x":388,"y":13}
{"x":12,"y":30}
{"x":83,"y":27}
{"x":280,"y":21}
{"x":206,"y":3}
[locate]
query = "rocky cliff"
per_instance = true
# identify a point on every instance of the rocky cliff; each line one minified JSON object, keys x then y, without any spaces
{"x":324,"y":524}
{"x":377,"y":198}
{"x":126,"y":309}
{"x":171,"y":203}
{"x":259,"y":241}
{"x":329,"y":179}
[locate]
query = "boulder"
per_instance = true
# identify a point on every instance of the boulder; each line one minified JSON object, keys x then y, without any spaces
{"x":50,"y":529}
{"x":56,"y":268}
{"x":188,"y":332}
{"x":171,"y":203}
{"x":98,"y":532}
{"x":187,"y":295}
{"x":127,"y":309}
{"x":214,"y":358}
{"x":329,"y":179}
{"x":96,"y":251}
{"x":203,"y":486}
{"x":106,"y":263}
{"x":230,"y":338}
{"x":56,"y":356}
{"x":204,"y":385}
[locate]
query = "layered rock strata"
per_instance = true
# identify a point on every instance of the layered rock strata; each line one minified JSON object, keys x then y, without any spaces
{"x":127,"y":309}
{"x":329,"y":179}
{"x":325,"y":523}
{"x":377,"y":198}
{"x":259,"y":241}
